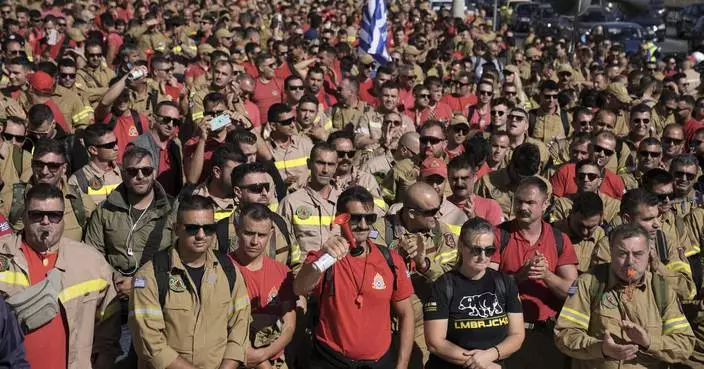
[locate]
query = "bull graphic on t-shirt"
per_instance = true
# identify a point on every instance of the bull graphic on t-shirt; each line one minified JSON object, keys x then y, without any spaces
{"x":485,"y":305}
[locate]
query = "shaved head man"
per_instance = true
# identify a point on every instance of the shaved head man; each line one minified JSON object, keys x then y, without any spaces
{"x":420,"y":206}
{"x":408,"y":146}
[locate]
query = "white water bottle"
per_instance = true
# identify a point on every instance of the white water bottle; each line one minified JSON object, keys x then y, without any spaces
{"x":324,"y":262}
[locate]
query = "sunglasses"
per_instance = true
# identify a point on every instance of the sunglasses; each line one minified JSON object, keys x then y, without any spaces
{"x":286,"y":122}
{"x":585,"y":123}
{"x":296,"y":88}
{"x":497,"y":113}
{"x":423,"y":96}
{"x":461,"y":129}
{"x":169,"y":120}
{"x":348,"y":154}
{"x":606,"y":151}
{"x":96,"y":55}
{"x":394,"y":122}
{"x":639,"y":121}
{"x":486,"y":93}
{"x":587,"y":176}
{"x":11,"y":137}
{"x":109,"y":145}
{"x":649,"y":154}
{"x":430,"y":140}
{"x":550,"y":96}
{"x":687,"y":176}
{"x":478,"y":250}
{"x":67,"y":75}
{"x":663,"y":197}
{"x":695,"y":143}
{"x":208,"y":229}
{"x":39,"y":165}
{"x":368,"y":218}
{"x":510,"y":93}
{"x":37,"y":216}
{"x":672,"y":141}
{"x":458,"y":83}
{"x":427,"y":212}
{"x":133,"y":172}
{"x":516,"y":117}
{"x":257,"y":187}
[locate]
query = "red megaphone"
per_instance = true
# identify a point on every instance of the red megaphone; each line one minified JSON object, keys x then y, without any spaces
{"x":343,"y":220}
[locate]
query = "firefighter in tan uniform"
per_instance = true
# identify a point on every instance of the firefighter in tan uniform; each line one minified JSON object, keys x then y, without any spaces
{"x":101,"y":175}
{"x":289,"y":149}
{"x":15,"y":164}
{"x":311,"y":209}
{"x":546,"y":121}
{"x":75,"y":108}
{"x":433,"y":171}
{"x":619,"y":101}
{"x":189,"y":304}
{"x":93,"y":80}
{"x":518,"y":134}
{"x":429,"y":247}
{"x":348,"y":112}
{"x":621,"y":315}
{"x":79,"y":282}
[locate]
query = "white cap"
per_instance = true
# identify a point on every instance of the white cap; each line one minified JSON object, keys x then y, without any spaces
{"x":698,"y":57}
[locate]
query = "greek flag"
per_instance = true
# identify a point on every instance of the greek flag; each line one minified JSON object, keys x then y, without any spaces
{"x":372,"y":33}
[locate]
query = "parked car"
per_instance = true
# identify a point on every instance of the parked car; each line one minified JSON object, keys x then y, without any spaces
{"x":548,"y":23}
{"x":688,"y":18}
{"x":653,"y":22}
{"x":595,"y":15}
{"x":522,"y":16}
{"x":628,"y":34}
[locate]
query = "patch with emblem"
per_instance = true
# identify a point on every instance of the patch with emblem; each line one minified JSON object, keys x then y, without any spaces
{"x":95,"y":183}
{"x":176,"y":283}
{"x":573,"y":289}
{"x":609,"y":300}
{"x":133,"y":132}
{"x":4,"y":263}
{"x":373,"y":234}
{"x":139,"y":282}
{"x":378,"y":283}
{"x":449,"y":239}
{"x":303,"y":212}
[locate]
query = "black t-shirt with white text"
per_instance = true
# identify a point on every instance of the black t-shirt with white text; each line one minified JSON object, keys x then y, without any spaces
{"x":477,"y":316}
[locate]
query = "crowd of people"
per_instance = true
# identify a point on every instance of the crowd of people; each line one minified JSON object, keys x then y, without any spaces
{"x":217,"y":185}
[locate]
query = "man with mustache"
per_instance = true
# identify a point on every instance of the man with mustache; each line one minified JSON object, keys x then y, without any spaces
{"x":684,"y":168}
{"x":649,"y":157}
{"x":543,"y":261}
{"x":462,"y":176}
{"x":610,"y":316}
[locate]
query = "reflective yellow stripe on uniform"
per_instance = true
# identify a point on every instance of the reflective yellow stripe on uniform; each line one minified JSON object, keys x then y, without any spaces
{"x":241,"y":302}
{"x":105,"y":190}
{"x":83,"y":288}
{"x":291,"y":163}
{"x":295,"y":253}
{"x":197,"y":116}
{"x":446,"y":257}
{"x":83,"y":114}
{"x":381,"y":203}
{"x":14,"y":278}
{"x":693,"y":251}
{"x":148,"y":311}
{"x":328,"y":124}
{"x":679,"y":266}
{"x":575,"y":316}
{"x":670,"y":325}
{"x":274,"y":206}
{"x":312,"y":220}
{"x":222,"y":214}
{"x":455,"y":229}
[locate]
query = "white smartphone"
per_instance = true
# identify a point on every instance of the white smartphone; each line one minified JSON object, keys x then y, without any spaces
{"x":220,"y":122}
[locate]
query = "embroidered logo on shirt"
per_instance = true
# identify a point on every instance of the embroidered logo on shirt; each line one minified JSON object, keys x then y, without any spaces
{"x":303,"y":212}
{"x":378,"y":283}
{"x":609,"y":300}
{"x":139,"y":282}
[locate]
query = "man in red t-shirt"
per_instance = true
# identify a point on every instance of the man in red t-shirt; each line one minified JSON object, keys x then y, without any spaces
{"x":269,"y":90}
{"x":357,"y":293}
{"x":544,"y":267}
{"x":461,"y":176}
{"x":461,"y":99}
{"x":269,"y":285}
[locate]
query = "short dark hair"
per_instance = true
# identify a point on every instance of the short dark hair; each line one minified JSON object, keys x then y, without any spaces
{"x":461,"y":162}
{"x":587,"y":204}
{"x":38,"y":114}
{"x":337,"y":135}
{"x":224,"y":153}
{"x":308,"y":98}
{"x":683,"y":160}
{"x":287,"y":81}
{"x":214,"y":98}
{"x":241,"y":171}
{"x":641,"y":108}
{"x":194,"y":202}
{"x":352,"y":194}
{"x":276,"y":109}
{"x":254,"y":211}
{"x":633,"y":199}
{"x":136,"y":152}
{"x":548,"y":85}
{"x":241,"y":136}
{"x":321,"y":146}
{"x":586,"y":162}
{"x":46,"y":146}
{"x":626,"y":231}
{"x":42,"y":191}
{"x":534,"y":181}
{"x":476,"y":225}
{"x":162,"y":104}
{"x":94,"y":132}
{"x":655,"y":177}
{"x":477,"y":149}
{"x":526,"y":159}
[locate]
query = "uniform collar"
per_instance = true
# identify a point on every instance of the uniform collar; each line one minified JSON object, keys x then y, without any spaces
{"x":177,"y":264}
{"x":221,"y":203}
{"x":615,"y":283}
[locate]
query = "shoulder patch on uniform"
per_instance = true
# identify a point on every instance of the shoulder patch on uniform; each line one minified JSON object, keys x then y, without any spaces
{"x":4,"y":263}
{"x":95,"y":183}
{"x":139,"y":282}
{"x":373,"y":234}
{"x":573,"y":288}
{"x":449,"y":239}
{"x":609,"y":300}
{"x":303,"y":212}
{"x":378,"y":283}
{"x":176,"y":283}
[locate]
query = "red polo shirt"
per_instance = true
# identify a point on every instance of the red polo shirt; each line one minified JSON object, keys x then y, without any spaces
{"x":563,"y":183}
{"x":126,"y":131}
{"x":459,"y":103}
{"x":367,"y":95}
{"x":690,"y":127}
{"x":360,"y":332}
{"x":267,"y":94}
{"x":539,"y":303}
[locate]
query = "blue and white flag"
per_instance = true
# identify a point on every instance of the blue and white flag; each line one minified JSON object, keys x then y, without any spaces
{"x":372,"y":33}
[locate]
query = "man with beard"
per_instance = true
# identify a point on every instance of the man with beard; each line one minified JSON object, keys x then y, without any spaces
{"x":314,"y":82}
{"x":310,"y":120}
{"x":162,"y":143}
{"x":218,"y":184}
{"x":133,"y":223}
{"x":543,"y":261}
{"x":582,"y":226}
{"x":602,"y":148}
{"x":684,"y":169}
{"x":462,"y":177}
{"x":17,"y":70}
{"x":585,"y":329}
{"x":548,"y":122}
{"x":673,"y":143}
{"x":94,"y":78}
{"x":49,"y":165}
{"x":356,"y":309}
{"x":649,"y":157}
{"x":349,"y":110}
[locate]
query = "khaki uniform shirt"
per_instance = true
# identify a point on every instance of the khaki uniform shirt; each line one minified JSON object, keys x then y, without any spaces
{"x":342,"y":116}
{"x":685,"y":206}
{"x":694,"y":221}
{"x":223,"y":207}
{"x":100,"y":183}
{"x":145,"y":103}
{"x":498,"y":185}
{"x":365,"y":179}
{"x":631,"y":180}
{"x":585,"y":248}
{"x":310,"y":216}
{"x":154,"y":41}
{"x":548,"y":127}
{"x":563,"y":208}
{"x":451,"y":216}
{"x":87,"y":297}
{"x":584,"y":319}
{"x":621,"y":128}
{"x":292,"y":160}
{"x":202,"y":328}
{"x":93,"y":84}
{"x":76,"y":112}
{"x":372,"y":125}
{"x":660,"y":121}
{"x":403,"y":174}
{"x":380,"y":165}
{"x":9,"y":170}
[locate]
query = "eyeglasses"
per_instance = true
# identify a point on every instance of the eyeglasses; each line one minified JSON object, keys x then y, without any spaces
{"x":639,"y":121}
{"x":672,"y":141}
{"x":462,"y":129}
{"x":67,"y":75}
{"x":61,"y":24}
{"x":392,"y":121}
{"x":510,"y":93}
{"x":368,"y":218}
{"x":695,"y":143}
{"x":286,"y":122}
{"x":649,"y":154}
{"x":208,"y":229}
{"x":427,"y":212}
{"x":430,"y":140}
{"x":459,"y":83}
{"x":478,"y":250}
{"x":606,"y":151}
{"x":296,"y":88}
{"x":37,"y":216}
{"x":486,"y":93}
{"x":133,"y":172}
{"x":587,"y":176}
{"x":169,"y":120}
{"x":516,"y":117}
{"x":687,"y":176}
{"x":497,"y":113}
{"x":423,"y":96}
{"x":348,"y":154}
{"x":109,"y":145}
{"x":550,"y":96}
{"x":663,"y":197}
{"x":11,"y":137}
{"x":257,"y":187}
{"x":38,"y":165}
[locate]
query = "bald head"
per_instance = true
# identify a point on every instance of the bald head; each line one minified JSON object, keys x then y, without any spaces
{"x":245,"y":80}
{"x":421,"y":195}
{"x":411,"y":140}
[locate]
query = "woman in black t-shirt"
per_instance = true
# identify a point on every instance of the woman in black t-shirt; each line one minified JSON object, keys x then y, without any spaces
{"x":473,"y":318}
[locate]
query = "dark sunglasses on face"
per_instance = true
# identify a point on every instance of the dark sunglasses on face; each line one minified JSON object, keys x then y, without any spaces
{"x":458,"y":83}
{"x":510,"y":93}
{"x":67,"y":75}
{"x":695,"y":143}
{"x":427,"y":212}
{"x":461,"y":129}
{"x":585,"y":123}
{"x":169,"y":120}
{"x":109,"y":145}
{"x":478,"y":250}
{"x":486,"y":93}
{"x":516,"y":117}
{"x":423,"y":96}
{"x":39,"y":165}
{"x":133,"y":172}
{"x":663,"y":197}
{"x":193,"y":229}
{"x":497,"y":113}
{"x":672,"y":141}
{"x":639,"y":121}
{"x":430,"y":140}
{"x":286,"y":122}
{"x":587,"y":176}
{"x":257,"y":187}
{"x":368,"y":218}
{"x":550,"y":96}
{"x":37,"y":216}
{"x":11,"y":137}
{"x":606,"y":151}
{"x":685,"y":175}
{"x":396,"y":123}
{"x":347,"y":154}
{"x":296,"y":88}
{"x":649,"y":154}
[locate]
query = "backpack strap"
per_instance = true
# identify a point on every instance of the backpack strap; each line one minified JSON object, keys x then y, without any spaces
{"x":112,"y":122}
{"x":77,"y":204}
{"x":598,"y":283}
{"x":82,"y":181}
{"x":660,"y":286}
{"x":661,"y":246}
{"x":228,"y":267}
{"x":17,"y":156}
{"x":137,"y":120}
{"x":155,"y":236}
{"x":504,"y":237}
{"x":559,"y":241}
{"x":565,"y":121}
{"x":470,"y":113}
{"x":222,"y":233}
{"x":389,"y":261}
{"x":162,"y":269}
{"x":152,"y":100}
{"x":18,"y":191}
{"x":532,"y":117}
{"x":281,"y":224}
{"x":500,"y":283}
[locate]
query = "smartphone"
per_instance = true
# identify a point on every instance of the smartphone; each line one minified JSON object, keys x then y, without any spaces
{"x":220,"y":122}
{"x":52,"y":36}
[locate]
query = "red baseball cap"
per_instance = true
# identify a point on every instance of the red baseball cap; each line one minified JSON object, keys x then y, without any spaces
{"x":433,"y":166}
{"x":42,"y":82}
